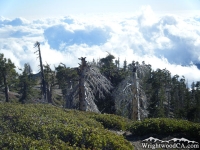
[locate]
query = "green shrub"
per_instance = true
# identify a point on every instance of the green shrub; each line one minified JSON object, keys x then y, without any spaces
{"x":43,"y":126}
{"x":166,"y":126}
{"x":111,"y":121}
{"x":18,"y":141}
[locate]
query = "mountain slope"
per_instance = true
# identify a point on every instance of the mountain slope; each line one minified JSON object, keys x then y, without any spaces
{"x":43,"y":126}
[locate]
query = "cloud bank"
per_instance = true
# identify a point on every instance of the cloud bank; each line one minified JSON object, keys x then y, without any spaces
{"x":58,"y":35}
{"x":168,"y":41}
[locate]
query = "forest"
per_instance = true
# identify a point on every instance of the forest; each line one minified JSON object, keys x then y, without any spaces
{"x":100,"y":104}
{"x":134,"y":91}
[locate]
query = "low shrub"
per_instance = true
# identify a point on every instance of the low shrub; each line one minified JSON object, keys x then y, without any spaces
{"x":111,"y":121}
{"x":166,"y":126}
{"x":43,"y":126}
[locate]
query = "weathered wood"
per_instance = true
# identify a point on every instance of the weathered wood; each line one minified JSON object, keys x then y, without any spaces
{"x":43,"y":85}
{"x":49,"y":93}
{"x":82,"y":100}
{"x":6,"y":87}
{"x":136,"y":103}
{"x":91,"y":82}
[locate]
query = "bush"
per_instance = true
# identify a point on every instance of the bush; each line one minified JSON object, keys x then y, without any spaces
{"x":111,"y":121}
{"x":43,"y":126}
{"x":166,"y":126}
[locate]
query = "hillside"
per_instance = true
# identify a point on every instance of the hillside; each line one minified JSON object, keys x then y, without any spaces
{"x":135,"y":91}
{"x":15,"y":95}
{"x":44,"y":126}
{"x":37,"y":126}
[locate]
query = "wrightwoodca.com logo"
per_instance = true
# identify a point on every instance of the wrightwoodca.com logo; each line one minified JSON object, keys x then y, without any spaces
{"x":174,"y":143}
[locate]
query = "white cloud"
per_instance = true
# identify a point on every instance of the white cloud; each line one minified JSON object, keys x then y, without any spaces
{"x":147,"y":16}
{"x":167,"y":41}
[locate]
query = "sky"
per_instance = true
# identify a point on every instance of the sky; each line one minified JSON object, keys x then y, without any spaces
{"x":52,"y":8}
{"x":165,"y":34}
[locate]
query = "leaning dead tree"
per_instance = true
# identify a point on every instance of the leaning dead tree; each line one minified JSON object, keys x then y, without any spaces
{"x":50,"y":82}
{"x":91,"y":83}
{"x":130,"y":99}
{"x":43,"y":85}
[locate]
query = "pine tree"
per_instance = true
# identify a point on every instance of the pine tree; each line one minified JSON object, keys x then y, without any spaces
{"x":67,"y":79}
{"x":7,"y":74}
{"x":159,"y":104}
{"x":107,"y":66}
{"x":197,"y":103}
{"x":26,"y":83}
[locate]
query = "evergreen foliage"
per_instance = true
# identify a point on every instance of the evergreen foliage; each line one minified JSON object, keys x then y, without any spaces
{"x":166,"y":127}
{"x":165,"y":95}
{"x":8,"y":75}
{"x":26,"y":83}
{"x":116,"y":75}
{"x":66,"y":77}
{"x":43,"y":126}
{"x":111,"y":121}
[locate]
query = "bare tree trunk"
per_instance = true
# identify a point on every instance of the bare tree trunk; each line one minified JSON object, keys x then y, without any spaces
{"x":69,"y":97}
{"x":82,"y":100}
{"x":137,"y":96}
{"x":49,"y":93}
{"x":43,"y":85}
{"x":167,"y":89}
{"x":24,"y":94}
{"x":136,"y":103}
{"x":134,"y":106}
{"x":6,"y":87}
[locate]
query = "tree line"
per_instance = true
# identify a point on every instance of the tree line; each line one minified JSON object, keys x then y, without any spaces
{"x":131,"y":90}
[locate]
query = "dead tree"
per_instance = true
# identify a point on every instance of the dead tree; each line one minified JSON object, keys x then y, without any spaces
{"x":82,"y":73}
{"x":130,"y":99}
{"x":135,"y":99}
{"x":50,"y":82}
{"x":6,"y":86}
{"x":91,"y":83}
{"x":43,"y":85}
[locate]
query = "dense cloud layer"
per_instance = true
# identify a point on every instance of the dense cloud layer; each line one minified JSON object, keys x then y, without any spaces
{"x":58,"y":34}
{"x":14,"y":22}
{"x":167,"y":41}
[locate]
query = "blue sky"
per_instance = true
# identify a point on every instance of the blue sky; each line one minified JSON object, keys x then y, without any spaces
{"x":165,"y":34}
{"x":52,"y":8}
